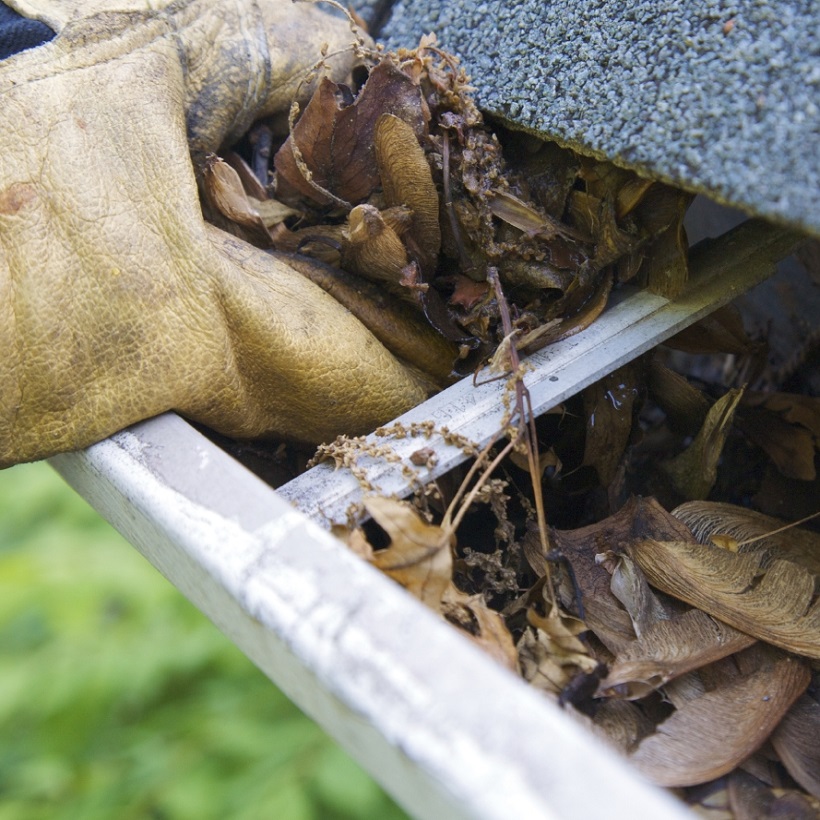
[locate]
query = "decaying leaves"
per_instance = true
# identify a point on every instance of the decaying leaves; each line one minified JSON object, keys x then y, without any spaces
{"x":402,"y":182}
{"x":693,"y":472}
{"x":420,"y":554}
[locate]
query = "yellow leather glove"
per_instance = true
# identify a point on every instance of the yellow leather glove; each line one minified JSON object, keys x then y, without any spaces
{"x":117,"y":300}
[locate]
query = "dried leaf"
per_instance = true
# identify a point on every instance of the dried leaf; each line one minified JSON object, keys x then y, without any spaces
{"x":797,"y":742}
{"x":250,"y":182}
{"x":684,"y":405}
{"x":604,"y":615}
{"x":722,"y":331}
{"x":786,"y":427}
{"x":771,"y":599}
{"x":552,"y":654}
{"x":751,"y":799}
{"x":622,"y":723}
{"x":608,"y":407}
{"x":712,"y":734}
{"x":483,"y":625}
{"x":527,"y":218}
{"x":271,"y":211}
{"x":666,"y":255}
{"x":694,"y":471}
{"x":374,"y":250}
{"x":554,"y":331}
{"x":630,"y":587}
{"x":335,"y":136}
{"x":420,"y":554}
{"x":467,"y":293}
{"x":407,"y":181}
{"x":225,"y":192}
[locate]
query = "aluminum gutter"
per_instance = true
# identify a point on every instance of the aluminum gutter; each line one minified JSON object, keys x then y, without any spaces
{"x":444,"y":728}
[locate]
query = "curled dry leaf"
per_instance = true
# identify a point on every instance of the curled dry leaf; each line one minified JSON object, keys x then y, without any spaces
{"x":771,"y":599}
{"x":608,"y":408}
{"x":407,"y":181}
{"x":722,"y":331}
{"x":551,"y":652}
{"x":483,"y":625}
{"x":694,"y":471}
{"x":374,"y":250}
{"x":557,"y":329}
{"x":224,"y":190}
{"x":786,"y":427}
{"x":666,"y":258}
{"x":752,"y":799}
{"x":420,"y":559}
{"x":399,"y":327}
{"x":684,"y":405}
{"x":420,"y":554}
{"x":335,"y":136}
{"x":604,"y":615}
{"x":797,"y":742}
{"x":630,"y":587}
{"x":686,"y":749}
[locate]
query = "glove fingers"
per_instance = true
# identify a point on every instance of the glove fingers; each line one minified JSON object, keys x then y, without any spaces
{"x":300,"y":365}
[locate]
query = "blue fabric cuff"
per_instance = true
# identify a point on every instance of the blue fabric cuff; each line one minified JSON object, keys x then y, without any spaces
{"x":19,"y":33}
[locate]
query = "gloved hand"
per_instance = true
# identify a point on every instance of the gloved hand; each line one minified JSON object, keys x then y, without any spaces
{"x":117,"y":300}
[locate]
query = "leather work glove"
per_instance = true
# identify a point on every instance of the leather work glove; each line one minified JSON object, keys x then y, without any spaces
{"x":117,"y":300}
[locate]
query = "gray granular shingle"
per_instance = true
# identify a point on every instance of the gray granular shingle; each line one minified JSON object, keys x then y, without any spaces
{"x":717,"y":97}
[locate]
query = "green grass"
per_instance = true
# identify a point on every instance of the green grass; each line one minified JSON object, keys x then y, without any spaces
{"x":118,"y":699}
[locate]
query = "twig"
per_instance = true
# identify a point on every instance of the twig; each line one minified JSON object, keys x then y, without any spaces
{"x":526,"y":420}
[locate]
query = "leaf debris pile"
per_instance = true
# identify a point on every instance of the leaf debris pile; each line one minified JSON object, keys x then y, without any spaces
{"x":398,"y":198}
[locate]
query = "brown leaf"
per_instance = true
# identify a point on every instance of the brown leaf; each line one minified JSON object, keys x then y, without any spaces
{"x":399,"y":327}
{"x":630,"y":587}
{"x":373,"y":249}
{"x":484,"y":626}
{"x":771,"y":599}
{"x":786,"y":427}
{"x":752,"y":799}
{"x":335,"y":136}
{"x":722,"y":331}
{"x":604,"y":615}
{"x":608,"y":408}
{"x":551,"y":653}
{"x":554,"y":331}
{"x":666,"y":255}
{"x":694,"y":471}
{"x":684,"y":405}
{"x":797,"y":742}
{"x":710,"y":735}
{"x":467,"y":293}
{"x":407,"y":181}
{"x":224,"y":190}
{"x":527,"y":218}
{"x":420,"y":554}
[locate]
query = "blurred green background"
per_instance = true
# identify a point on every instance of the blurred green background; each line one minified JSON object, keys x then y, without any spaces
{"x":118,"y":699}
